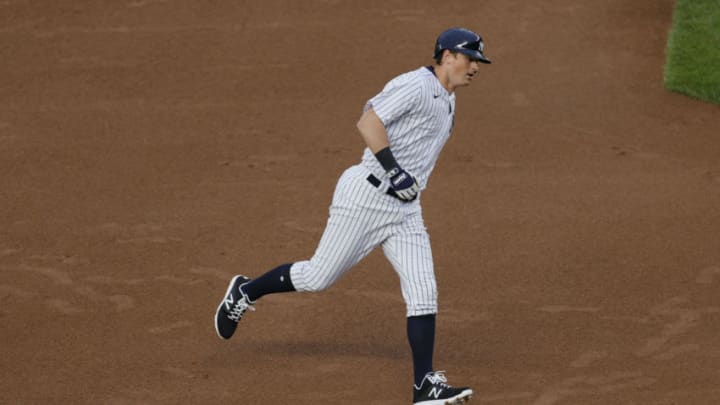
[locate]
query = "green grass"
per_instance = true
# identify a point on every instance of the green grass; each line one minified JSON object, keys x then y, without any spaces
{"x":693,"y":50}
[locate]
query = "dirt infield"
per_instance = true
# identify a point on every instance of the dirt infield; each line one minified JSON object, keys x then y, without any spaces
{"x":150,"y":149}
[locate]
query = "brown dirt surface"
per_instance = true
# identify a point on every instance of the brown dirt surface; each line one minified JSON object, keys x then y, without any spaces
{"x":150,"y":149}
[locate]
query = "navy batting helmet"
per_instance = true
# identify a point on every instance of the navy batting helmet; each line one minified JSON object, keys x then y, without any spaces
{"x":461,"y":40}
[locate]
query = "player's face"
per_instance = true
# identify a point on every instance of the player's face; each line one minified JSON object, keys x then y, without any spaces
{"x":462,"y":70}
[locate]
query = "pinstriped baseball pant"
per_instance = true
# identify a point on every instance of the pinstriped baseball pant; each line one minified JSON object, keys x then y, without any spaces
{"x":363,"y":217}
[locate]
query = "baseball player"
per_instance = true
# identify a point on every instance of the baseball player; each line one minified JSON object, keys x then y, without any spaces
{"x":377,"y":203}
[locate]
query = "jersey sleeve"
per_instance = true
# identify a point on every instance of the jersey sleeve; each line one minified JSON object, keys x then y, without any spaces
{"x":395,"y":100}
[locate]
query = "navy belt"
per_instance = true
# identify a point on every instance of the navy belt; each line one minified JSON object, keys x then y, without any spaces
{"x":376,"y":183}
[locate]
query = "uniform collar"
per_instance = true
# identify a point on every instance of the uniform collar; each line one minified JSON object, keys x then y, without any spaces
{"x":431,"y":69}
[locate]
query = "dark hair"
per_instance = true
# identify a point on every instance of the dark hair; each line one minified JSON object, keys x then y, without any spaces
{"x":439,"y":57}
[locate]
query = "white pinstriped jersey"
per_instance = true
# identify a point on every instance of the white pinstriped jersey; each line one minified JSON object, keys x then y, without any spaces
{"x":418,"y":113}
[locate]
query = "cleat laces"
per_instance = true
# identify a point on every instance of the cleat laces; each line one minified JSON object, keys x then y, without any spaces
{"x":438,"y":378}
{"x":239,"y":309}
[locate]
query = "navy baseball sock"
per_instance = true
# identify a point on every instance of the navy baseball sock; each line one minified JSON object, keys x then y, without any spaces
{"x":276,"y":280}
{"x":421,"y":335}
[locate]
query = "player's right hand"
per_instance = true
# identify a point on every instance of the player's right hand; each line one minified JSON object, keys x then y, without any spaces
{"x":404,"y":184}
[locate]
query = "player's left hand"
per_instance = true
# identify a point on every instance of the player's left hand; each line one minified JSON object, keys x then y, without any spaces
{"x":404,"y":184}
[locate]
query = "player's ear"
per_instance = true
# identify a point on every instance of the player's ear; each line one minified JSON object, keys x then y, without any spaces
{"x":448,"y":54}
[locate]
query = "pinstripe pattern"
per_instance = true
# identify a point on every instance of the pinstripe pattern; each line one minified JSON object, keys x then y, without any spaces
{"x":362,"y":218}
{"x":418,"y":115}
{"x":408,"y":250}
{"x":417,"y":122}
